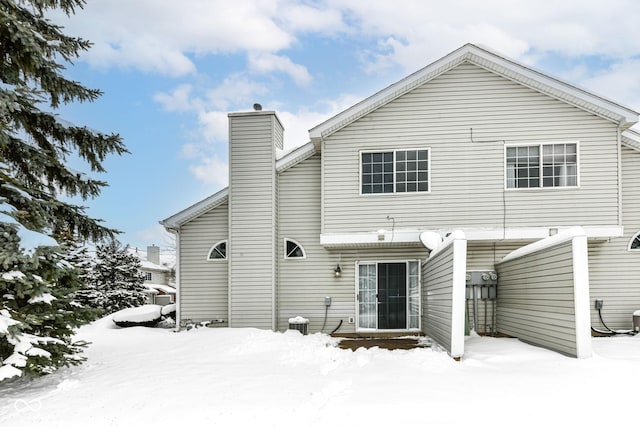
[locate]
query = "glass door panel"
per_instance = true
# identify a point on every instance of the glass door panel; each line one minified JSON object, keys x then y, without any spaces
{"x":392,"y":295}
{"x":367,"y":301}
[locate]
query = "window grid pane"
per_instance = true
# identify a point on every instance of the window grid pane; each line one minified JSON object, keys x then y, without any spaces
{"x":377,"y":173}
{"x":523,"y":167}
{"x":399,"y":171}
{"x":560,"y":165}
{"x":635,"y":245}
{"x":412,"y":171}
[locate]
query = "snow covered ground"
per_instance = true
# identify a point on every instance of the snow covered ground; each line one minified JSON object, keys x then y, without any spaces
{"x":249,"y":377}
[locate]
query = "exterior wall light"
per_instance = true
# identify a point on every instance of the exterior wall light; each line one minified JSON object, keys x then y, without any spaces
{"x":337,"y":271}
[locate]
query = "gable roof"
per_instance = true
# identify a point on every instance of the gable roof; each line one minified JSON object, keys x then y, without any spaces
{"x":493,"y":62}
{"x":285,"y":161}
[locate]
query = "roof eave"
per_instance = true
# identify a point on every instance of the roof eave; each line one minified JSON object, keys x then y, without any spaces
{"x":296,"y":156}
{"x":175,"y":221}
{"x":631,"y":139}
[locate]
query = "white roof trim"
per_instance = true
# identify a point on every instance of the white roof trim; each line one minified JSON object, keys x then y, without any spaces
{"x":412,"y":237}
{"x":287,"y":161}
{"x":493,"y":62}
{"x":294,"y":157}
{"x":548,"y":242}
{"x":631,"y":139}
{"x":175,"y":221}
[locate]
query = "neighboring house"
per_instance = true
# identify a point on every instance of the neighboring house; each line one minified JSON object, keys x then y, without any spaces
{"x":158,"y":274}
{"x":481,"y":151}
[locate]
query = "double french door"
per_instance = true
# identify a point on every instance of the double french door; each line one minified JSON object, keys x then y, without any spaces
{"x":389,"y":295}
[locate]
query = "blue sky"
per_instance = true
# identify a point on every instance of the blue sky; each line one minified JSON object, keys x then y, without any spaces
{"x":171,"y":71}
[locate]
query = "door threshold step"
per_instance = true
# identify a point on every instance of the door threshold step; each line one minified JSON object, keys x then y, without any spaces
{"x":403,"y":343}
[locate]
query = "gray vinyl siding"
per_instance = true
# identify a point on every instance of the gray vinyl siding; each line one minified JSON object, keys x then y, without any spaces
{"x":614,"y":272}
{"x":437,"y":280}
{"x":536,"y":299}
{"x":484,"y":256}
{"x":467,"y":171}
{"x":304,"y":283}
{"x":252,"y":217}
{"x":203,"y":283}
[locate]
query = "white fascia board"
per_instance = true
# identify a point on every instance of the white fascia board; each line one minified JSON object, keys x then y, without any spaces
{"x":547,"y":242}
{"x":294,"y":157}
{"x":494,"y":62}
{"x":412,"y":237}
{"x":175,"y":221}
{"x":370,"y":238}
{"x":631,"y":139}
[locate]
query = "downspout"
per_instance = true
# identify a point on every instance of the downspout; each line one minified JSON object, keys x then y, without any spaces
{"x":619,"y":138}
{"x":176,"y":232}
{"x":321,"y":185}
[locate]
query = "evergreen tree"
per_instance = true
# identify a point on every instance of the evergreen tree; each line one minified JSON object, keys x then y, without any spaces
{"x":34,"y":143}
{"x":115,"y":281}
{"x":38,"y":314}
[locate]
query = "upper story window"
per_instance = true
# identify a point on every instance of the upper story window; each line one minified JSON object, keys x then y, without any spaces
{"x":218,"y":251}
{"x":634,"y":245}
{"x":542,"y":165}
{"x":293,"y":249}
{"x":399,"y":171}
{"x":148,"y":276}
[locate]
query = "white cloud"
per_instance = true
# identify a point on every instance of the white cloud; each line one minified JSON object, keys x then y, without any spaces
{"x":158,"y":35}
{"x":297,"y":123}
{"x":413,"y":34}
{"x":619,"y":82}
{"x":267,"y":62}
{"x":236,"y":89}
{"x":155,"y":234}
{"x":214,"y":125}
{"x":212,"y":170}
{"x":298,"y":17}
{"x":178,"y":99}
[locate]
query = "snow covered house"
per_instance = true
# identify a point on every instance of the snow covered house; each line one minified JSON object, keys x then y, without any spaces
{"x":475,"y":192}
{"x":157,"y":274}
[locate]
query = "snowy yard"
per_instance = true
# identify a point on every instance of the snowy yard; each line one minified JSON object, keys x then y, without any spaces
{"x":247,"y":377}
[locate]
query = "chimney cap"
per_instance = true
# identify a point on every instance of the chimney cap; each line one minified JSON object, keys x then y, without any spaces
{"x":257,"y":107}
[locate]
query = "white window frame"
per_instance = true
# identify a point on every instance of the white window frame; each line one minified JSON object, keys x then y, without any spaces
{"x":394,"y":151}
{"x":286,"y":256}
{"x":540,"y":145}
{"x":633,"y":239}
{"x":148,"y":276}
{"x":215,"y":245}
{"x":419,"y":297}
